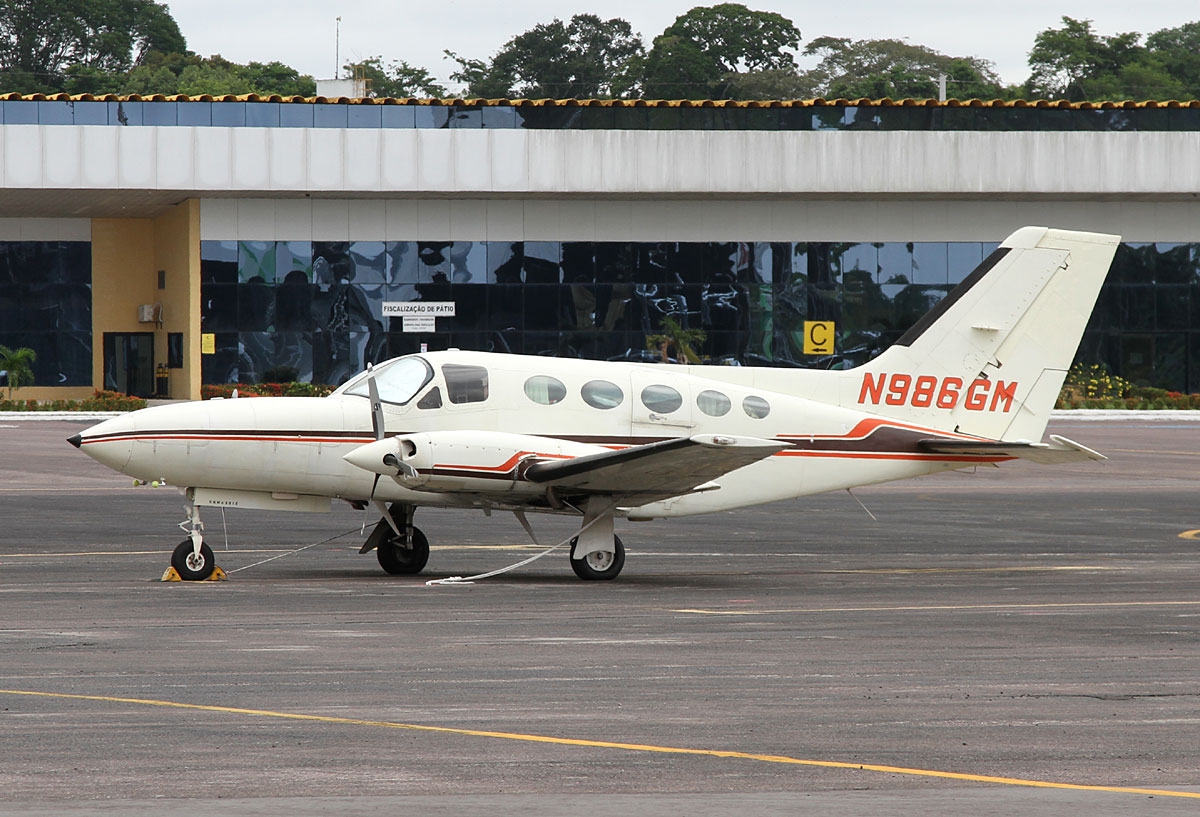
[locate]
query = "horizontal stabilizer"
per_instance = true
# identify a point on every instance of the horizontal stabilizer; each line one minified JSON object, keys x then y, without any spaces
{"x":1058,"y":450}
{"x":655,"y":470}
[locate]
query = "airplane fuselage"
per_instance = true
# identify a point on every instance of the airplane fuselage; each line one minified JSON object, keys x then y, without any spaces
{"x":486,"y":414}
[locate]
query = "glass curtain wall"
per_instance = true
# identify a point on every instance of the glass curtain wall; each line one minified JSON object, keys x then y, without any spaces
{"x":313,"y":311}
{"x":197,"y":113}
{"x":46,"y":306}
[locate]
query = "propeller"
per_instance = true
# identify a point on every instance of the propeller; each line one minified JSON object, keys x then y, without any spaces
{"x":377,"y":425}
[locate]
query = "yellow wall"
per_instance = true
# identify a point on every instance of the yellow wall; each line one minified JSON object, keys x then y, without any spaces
{"x":177,"y":251}
{"x":127,"y":254}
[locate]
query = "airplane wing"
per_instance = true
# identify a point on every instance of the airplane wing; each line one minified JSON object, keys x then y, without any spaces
{"x":1058,"y":450}
{"x":655,"y":471}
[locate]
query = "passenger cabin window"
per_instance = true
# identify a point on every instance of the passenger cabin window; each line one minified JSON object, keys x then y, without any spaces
{"x":431,"y":400}
{"x":544,"y":389}
{"x":398,"y":381}
{"x":601,"y":394}
{"x":465,"y":384}
{"x":756,"y":407}
{"x":713,"y":403}
{"x":661,"y":399}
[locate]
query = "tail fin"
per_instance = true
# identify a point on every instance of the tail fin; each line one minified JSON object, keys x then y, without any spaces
{"x":991,"y":357}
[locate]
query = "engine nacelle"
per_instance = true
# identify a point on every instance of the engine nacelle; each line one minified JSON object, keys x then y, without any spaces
{"x":485,"y":461}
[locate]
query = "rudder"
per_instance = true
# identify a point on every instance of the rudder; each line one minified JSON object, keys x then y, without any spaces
{"x":989,"y":358}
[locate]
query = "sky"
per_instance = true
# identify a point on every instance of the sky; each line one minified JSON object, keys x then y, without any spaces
{"x":305,"y":34}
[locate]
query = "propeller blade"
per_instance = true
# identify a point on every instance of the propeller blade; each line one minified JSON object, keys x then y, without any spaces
{"x":377,"y":421}
{"x":374,"y":485}
{"x":377,"y":425}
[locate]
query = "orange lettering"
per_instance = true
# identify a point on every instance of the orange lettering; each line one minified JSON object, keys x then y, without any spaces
{"x":977,"y":395}
{"x":1004,"y":391}
{"x":898,"y":390}
{"x":948,"y":397}
{"x":923,"y":392}
{"x":872,"y":388}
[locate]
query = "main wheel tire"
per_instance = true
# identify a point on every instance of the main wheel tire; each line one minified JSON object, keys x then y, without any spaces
{"x":403,"y":561}
{"x":599,"y":565}
{"x":189,"y":566}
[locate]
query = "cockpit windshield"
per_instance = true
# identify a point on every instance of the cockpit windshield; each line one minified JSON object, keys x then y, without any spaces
{"x":398,"y":380}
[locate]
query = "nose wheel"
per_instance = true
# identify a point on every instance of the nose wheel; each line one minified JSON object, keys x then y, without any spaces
{"x":193,"y":560}
{"x":193,"y":566}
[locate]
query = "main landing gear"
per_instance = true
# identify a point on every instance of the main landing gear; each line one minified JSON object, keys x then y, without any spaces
{"x":401,"y":548}
{"x":597,"y":553}
{"x":599,"y":565}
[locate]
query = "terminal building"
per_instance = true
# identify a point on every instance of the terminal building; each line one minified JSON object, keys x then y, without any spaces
{"x":156,"y":245}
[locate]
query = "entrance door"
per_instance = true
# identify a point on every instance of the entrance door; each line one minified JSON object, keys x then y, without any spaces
{"x":129,"y":363}
{"x":662,"y":405}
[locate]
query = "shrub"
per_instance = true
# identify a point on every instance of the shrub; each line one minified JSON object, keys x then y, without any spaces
{"x":1093,"y":387}
{"x":294,"y":389}
{"x":99,"y":401}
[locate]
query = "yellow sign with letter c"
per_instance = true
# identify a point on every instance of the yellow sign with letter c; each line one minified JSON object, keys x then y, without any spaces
{"x":818,"y":337}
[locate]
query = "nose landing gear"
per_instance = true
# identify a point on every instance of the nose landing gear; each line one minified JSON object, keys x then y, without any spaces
{"x":193,"y":560}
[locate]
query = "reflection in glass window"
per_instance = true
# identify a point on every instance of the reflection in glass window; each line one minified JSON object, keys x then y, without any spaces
{"x":756,"y":407}
{"x":256,"y":261}
{"x":962,"y":258}
{"x":661,"y":399}
{"x":593,"y":300}
{"x":713,"y":403}
{"x":368,"y":261}
{"x":929,"y":263}
{"x":465,"y":384}
{"x":545,"y":390}
{"x":293,"y":256}
{"x":601,"y":394}
{"x":431,"y":400}
{"x":895,"y":263}
{"x":468,"y":262}
{"x":398,"y":381}
{"x":862,"y":257}
{"x":45,"y":305}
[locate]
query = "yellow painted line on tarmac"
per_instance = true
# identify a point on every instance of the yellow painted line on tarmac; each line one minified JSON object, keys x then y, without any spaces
{"x":1190,"y":534}
{"x":884,"y":571}
{"x":1066,"y":605}
{"x":603,"y":744}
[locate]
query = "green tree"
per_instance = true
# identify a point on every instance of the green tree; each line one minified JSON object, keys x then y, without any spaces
{"x":41,"y":40}
{"x":708,"y":51}
{"x":896,"y":69}
{"x":193,"y":75}
{"x":773,"y":83}
{"x":674,"y":336}
{"x":397,"y":79}
{"x":277,"y":78}
{"x":584,"y":58}
{"x":1178,"y":51}
{"x":19,"y":365}
{"x":1076,"y":63}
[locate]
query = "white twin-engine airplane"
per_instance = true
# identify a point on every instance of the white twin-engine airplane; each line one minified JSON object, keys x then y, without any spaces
{"x":972,"y":382}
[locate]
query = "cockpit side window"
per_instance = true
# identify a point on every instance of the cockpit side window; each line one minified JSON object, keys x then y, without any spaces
{"x":465,"y":384}
{"x":398,"y":380}
{"x":431,"y":400}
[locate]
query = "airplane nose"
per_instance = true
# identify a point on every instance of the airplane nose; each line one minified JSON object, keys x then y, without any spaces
{"x":106,"y":443}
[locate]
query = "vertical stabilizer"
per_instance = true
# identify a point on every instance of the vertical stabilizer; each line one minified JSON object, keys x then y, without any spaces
{"x":990,"y":358}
